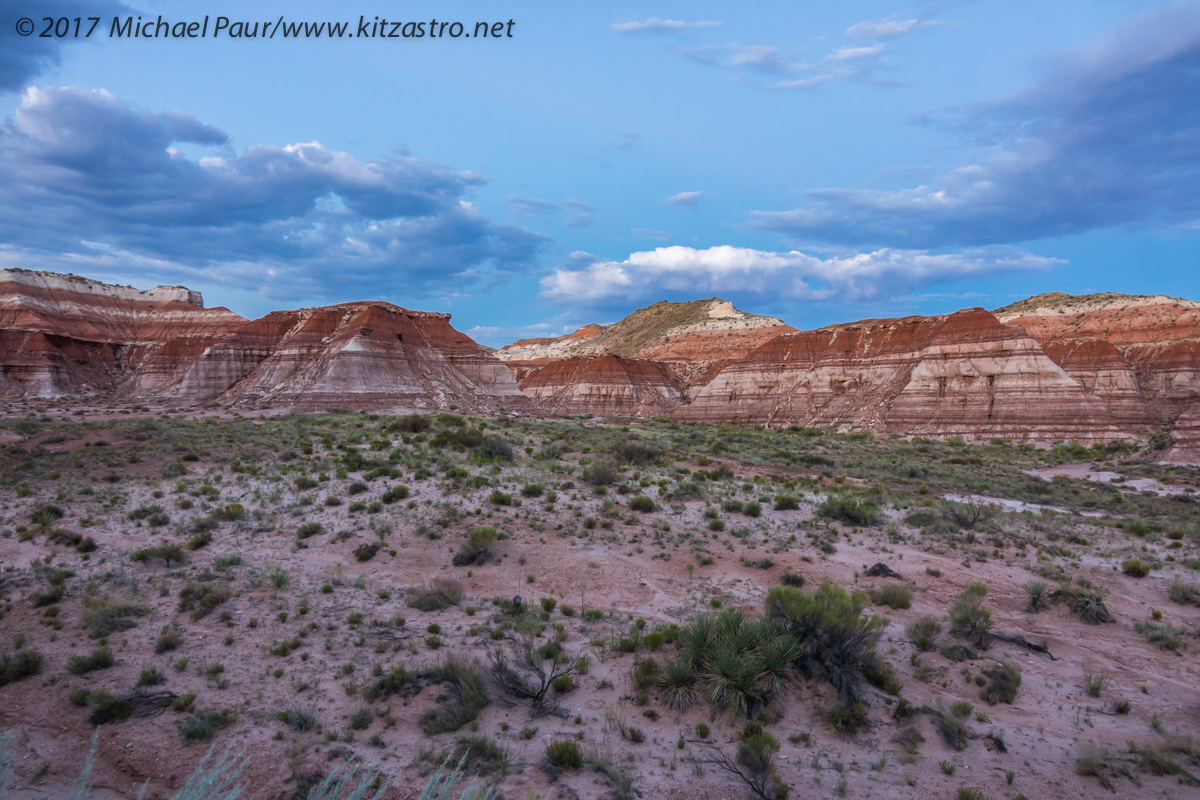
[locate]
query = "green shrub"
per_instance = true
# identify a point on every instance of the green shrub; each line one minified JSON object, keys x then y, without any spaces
{"x":564,"y":754}
{"x":786,"y":502}
{"x":202,"y":598}
{"x":468,"y":696}
{"x":924,"y":633}
{"x":1135,"y":568}
{"x":969,"y":618}
{"x":1003,"y":681}
{"x":23,"y":663}
{"x":100,"y":658}
{"x":894,"y":595}
{"x":849,"y":509}
{"x":438,"y":594}
{"x":643,"y":504}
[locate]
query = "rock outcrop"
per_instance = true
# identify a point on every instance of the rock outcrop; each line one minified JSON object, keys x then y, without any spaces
{"x":1139,"y":354}
{"x":603,"y":384}
{"x":63,"y":335}
{"x":67,"y":335}
{"x":961,"y":374}
{"x":692,"y":340}
{"x":358,"y":355}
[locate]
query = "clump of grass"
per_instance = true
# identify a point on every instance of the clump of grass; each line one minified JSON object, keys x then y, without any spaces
{"x":564,"y":754}
{"x":924,"y":633}
{"x":21,"y":664}
{"x":100,"y":658}
{"x":969,"y":618}
{"x":477,"y":548}
{"x":954,"y":733}
{"x":893,"y":595}
{"x":1182,"y":592}
{"x":1135,"y":568}
{"x":1003,"y":681}
{"x":1085,"y":599}
{"x":1160,"y":634}
{"x":202,"y":598}
{"x":387,"y":684}
{"x":468,"y":696}
{"x":1038,"y":598}
{"x":104,"y":617}
{"x":437,"y":595}
{"x":203,"y":725}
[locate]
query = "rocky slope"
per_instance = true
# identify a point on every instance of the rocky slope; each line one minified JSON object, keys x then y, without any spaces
{"x":692,"y":340}
{"x":958,"y":374}
{"x":64,"y":335}
{"x":1140,"y":354}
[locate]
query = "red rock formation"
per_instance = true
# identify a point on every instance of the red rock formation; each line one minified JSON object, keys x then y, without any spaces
{"x":693,"y":340}
{"x":1140,"y":354}
{"x":605,"y":384}
{"x":960,"y":374}
{"x":63,"y":334}
{"x":359,"y":355}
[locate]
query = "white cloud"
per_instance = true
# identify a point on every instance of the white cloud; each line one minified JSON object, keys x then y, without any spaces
{"x":656,"y":25}
{"x":684,"y":199}
{"x":888,"y":28}
{"x":717,"y":270}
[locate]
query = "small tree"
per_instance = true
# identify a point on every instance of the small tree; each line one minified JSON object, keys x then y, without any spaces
{"x":531,"y":672}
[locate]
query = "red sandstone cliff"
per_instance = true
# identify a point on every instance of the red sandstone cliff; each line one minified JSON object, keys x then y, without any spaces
{"x":65,"y":335}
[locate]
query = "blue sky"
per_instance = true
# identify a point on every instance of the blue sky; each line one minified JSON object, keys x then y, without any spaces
{"x":820,"y":162}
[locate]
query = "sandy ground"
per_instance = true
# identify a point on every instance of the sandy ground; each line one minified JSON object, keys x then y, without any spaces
{"x":620,"y":572}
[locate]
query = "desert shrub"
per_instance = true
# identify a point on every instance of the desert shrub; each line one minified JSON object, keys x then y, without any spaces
{"x":849,"y":509}
{"x":104,"y":617}
{"x":481,"y":755}
{"x":15,"y":666}
{"x":970,"y":514}
{"x":394,"y":494}
{"x":1038,"y":599}
{"x":1135,"y":568}
{"x":1182,"y":592}
{"x":478,"y":546}
{"x":528,"y":671}
{"x":1161,"y":635}
{"x":1085,"y":599}
{"x":500,"y":498}
{"x":894,"y":595}
{"x":601,"y":473}
{"x":169,"y":553}
{"x":167,"y":641}
{"x":752,"y":508}
{"x":1003,"y":681}
{"x":969,"y":618}
{"x":642,"y":503}
{"x":202,"y":726}
{"x":230,"y":512}
{"x":299,"y":718}
{"x":786,"y":502}
{"x":924,"y":633}
{"x":468,"y":696}
{"x":412,"y":423}
{"x":308,"y":529}
{"x":390,"y":683}
{"x":100,"y":658}
{"x":438,"y":594}
{"x":107,"y":708}
{"x":494,"y":448}
{"x":202,"y":598}
{"x":836,"y":640}
{"x":958,"y":652}
{"x":635,"y":452}
{"x":564,"y":754}
{"x":954,"y":733}
{"x":847,"y":718}
{"x":365,"y":552}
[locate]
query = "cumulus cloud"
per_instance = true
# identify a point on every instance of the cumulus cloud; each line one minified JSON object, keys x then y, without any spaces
{"x":87,"y":180}
{"x":724,"y":269}
{"x":656,"y":25}
{"x":24,"y":57}
{"x":684,"y":199}
{"x":1109,"y":138}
